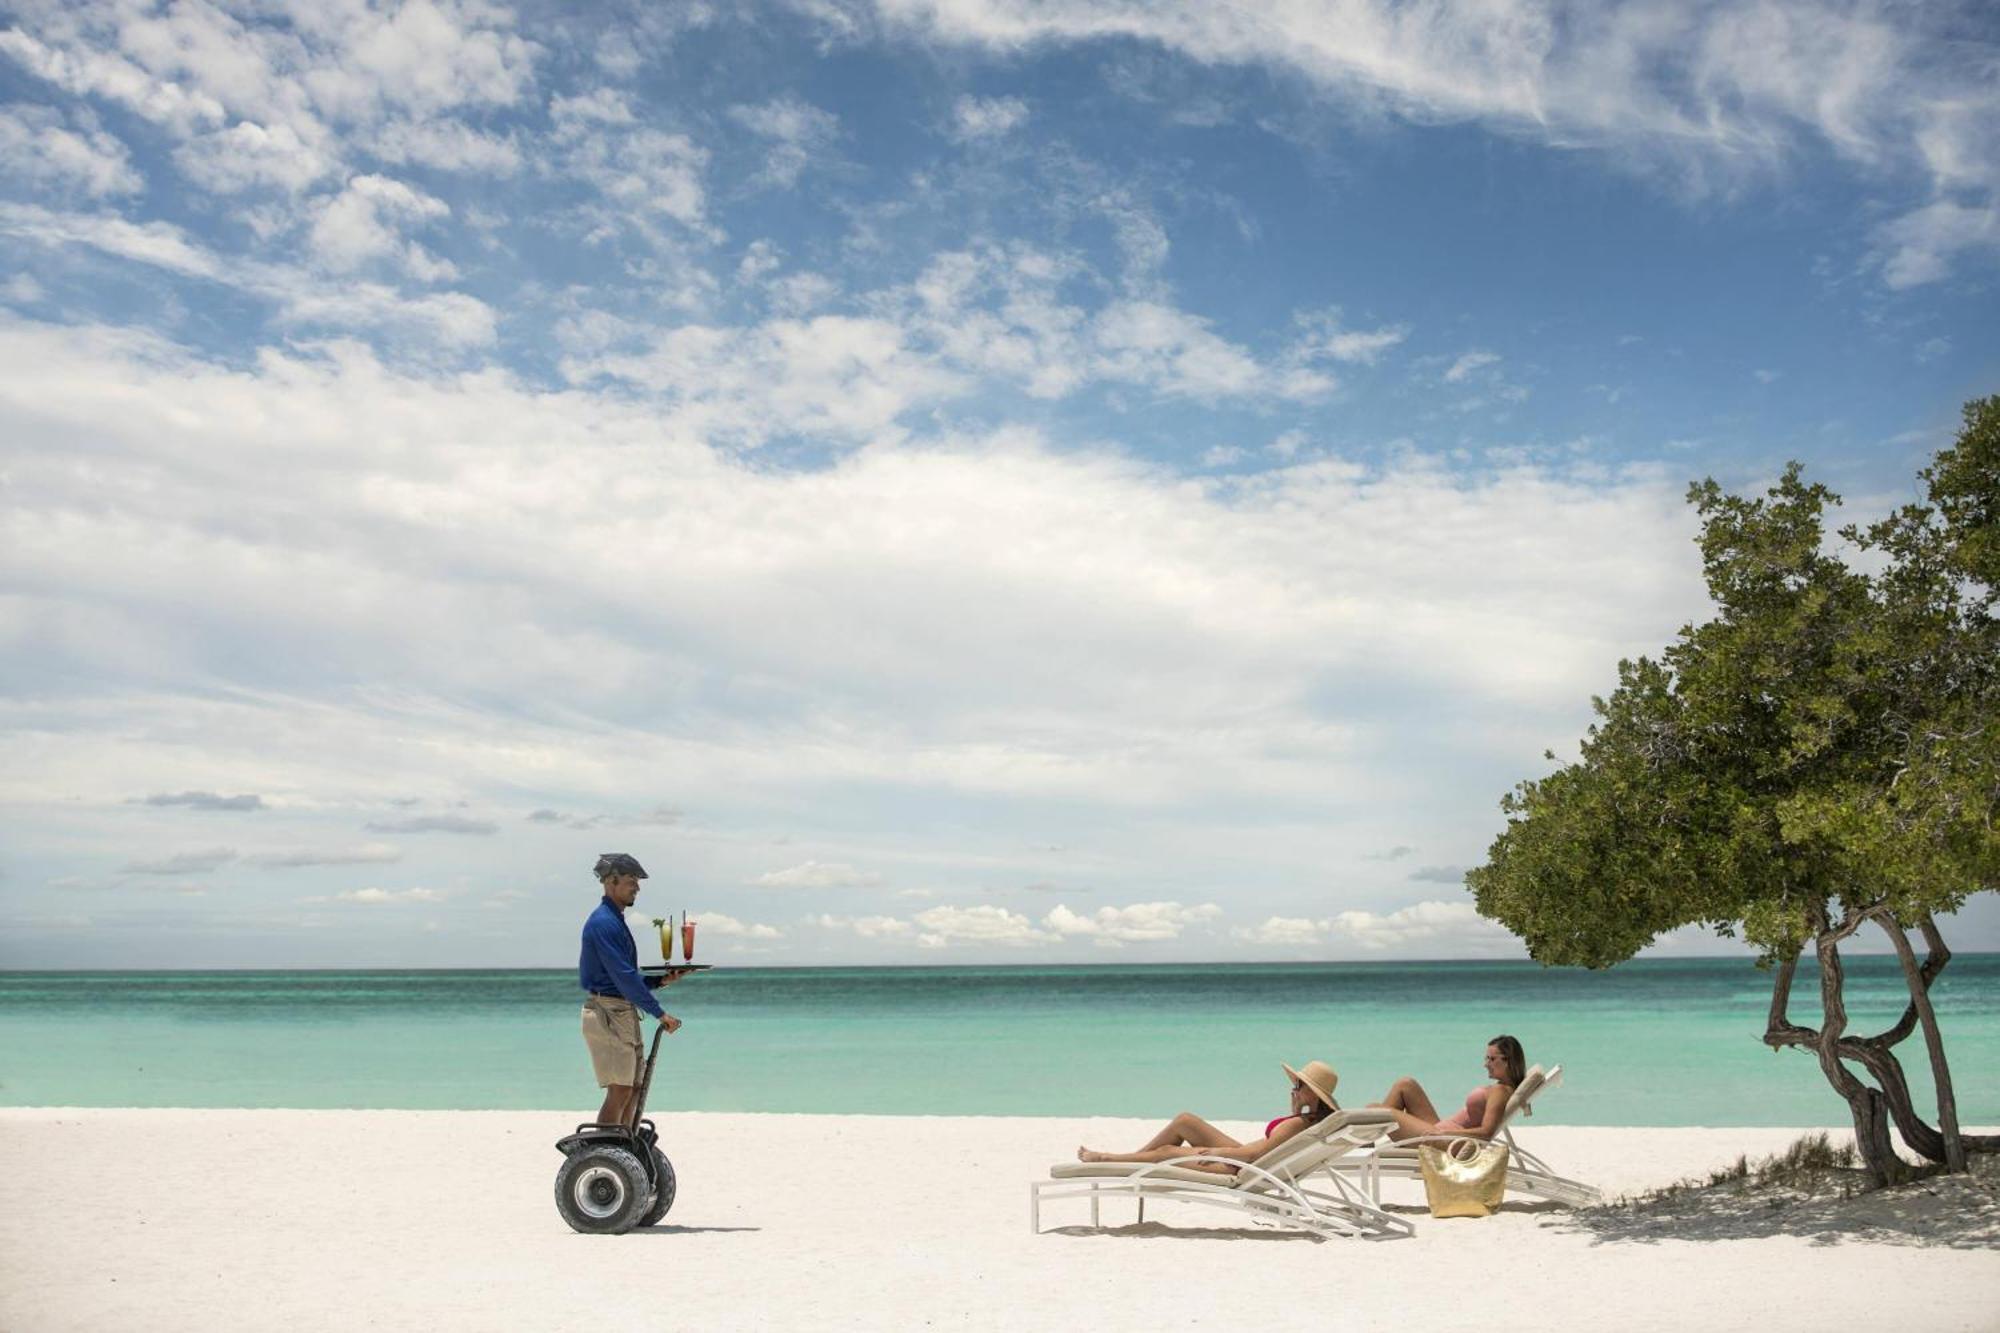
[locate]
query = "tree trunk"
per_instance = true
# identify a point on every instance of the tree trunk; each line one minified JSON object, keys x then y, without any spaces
{"x":1919,"y":982}
{"x":1867,"y":1105}
{"x":1872,"y":1108}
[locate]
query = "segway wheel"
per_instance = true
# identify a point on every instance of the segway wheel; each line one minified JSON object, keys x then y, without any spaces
{"x":601,"y":1191}
{"x":664,"y":1198}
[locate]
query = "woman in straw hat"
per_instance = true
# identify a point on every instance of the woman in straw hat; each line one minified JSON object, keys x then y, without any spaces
{"x":1312,"y":1100}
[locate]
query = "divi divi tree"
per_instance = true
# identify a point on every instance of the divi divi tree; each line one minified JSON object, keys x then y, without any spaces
{"x":1820,"y":759}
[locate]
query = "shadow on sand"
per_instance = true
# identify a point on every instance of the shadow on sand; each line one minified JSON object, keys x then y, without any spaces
{"x":1161,"y":1231}
{"x":671,"y":1230}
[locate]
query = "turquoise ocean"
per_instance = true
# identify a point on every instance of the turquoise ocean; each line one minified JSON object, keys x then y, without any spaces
{"x":1653,"y":1042}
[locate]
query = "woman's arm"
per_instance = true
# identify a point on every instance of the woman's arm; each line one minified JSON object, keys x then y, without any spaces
{"x":1251,"y":1151}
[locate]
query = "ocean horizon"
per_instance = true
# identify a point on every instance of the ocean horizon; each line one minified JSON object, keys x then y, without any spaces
{"x":1656,"y":1042}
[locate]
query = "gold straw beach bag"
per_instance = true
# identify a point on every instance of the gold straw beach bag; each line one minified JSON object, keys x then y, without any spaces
{"x":1466,"y":1179}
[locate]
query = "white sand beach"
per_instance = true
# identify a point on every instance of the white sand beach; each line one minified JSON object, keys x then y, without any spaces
{"x":164,"y":1219}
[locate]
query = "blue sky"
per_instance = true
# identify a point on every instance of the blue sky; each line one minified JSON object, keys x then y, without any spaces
{"x":974,"y":481}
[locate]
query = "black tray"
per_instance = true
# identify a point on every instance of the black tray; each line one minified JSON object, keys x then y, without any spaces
{"x":661,"y":969}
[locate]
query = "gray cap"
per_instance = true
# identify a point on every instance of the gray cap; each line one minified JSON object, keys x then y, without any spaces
{"x":619,"y":863}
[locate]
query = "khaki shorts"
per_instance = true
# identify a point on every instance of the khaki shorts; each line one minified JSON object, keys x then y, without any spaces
{"x":611,"y":1031}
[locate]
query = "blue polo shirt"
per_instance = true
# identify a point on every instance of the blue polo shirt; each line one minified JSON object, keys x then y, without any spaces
{"x":610,"y":961}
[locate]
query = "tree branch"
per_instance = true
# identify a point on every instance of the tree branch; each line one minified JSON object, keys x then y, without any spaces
{"x":1920,"y":1000}
{"x":1780,"y":1031}
{"x":1936,"y":955}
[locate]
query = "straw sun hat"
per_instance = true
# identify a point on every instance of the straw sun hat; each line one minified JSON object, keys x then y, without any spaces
{"x":1319,"y":1076}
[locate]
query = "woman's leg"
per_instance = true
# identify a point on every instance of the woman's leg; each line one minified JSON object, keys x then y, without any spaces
{"x":1184,"y":1130}
{"x":1410,"y":1126}
{"x":1406,"y":1094}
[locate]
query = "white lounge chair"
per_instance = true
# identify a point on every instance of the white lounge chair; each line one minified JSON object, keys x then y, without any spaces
{"x":1526,"y":1173}
{"x":1269,"y":1191}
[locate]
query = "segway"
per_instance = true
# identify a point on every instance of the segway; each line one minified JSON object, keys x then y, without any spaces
{"x":614,"y":1177}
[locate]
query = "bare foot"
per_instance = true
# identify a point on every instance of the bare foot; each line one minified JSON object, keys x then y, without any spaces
{"x":1087,"y":1155}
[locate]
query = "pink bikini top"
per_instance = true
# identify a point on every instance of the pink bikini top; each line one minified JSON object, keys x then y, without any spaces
{"x":1271,"y":1128}
{"x":1473,"y":1114}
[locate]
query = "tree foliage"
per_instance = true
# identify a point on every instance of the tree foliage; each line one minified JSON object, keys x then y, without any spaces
{"x":1822,"y":753}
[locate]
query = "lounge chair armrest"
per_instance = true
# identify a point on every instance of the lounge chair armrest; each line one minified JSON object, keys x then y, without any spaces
{"x":1383,"y":1144}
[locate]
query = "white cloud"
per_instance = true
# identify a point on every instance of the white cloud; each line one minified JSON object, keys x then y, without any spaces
{"x":1282,"y":931}
{"x":367,"y":853}
{"x":575,"y":115}
{"x":451,"y":319}
{"x":1707,"y":94}
{"x":1467,"y":364}
{"x":374,"y":896}
{"x":882,"y":624}
{"x":1453,"y":927}
{"x":82,"y":69}
{"x":721,"y":925}
{"x":1918,"y":247}
{"x":817,"y":875}
{"x":1003,"y":313}
{"x":1171,"y":600}
{"x":867,"y":927}
{"x":36,"y":146}
{"x":449,"y":145}
{"x":246,"y":155}
{"x":421,"y":57}
{"x":267,"y":103}
{"x":832,"y":376}
{"x":1426,"y":929}
{"x":160,"y":244}
{"x":1325,"y":337}
{"x":760,"y":259}
{"x":1177,"y":355}
{"x":640,"y":169}
{"x":987,"y":117}
{"x":1138,"y":923}
{"x":799,"y":132}
{"x":365,"y":222}
{"x":947,"y":927}
{"x":944,"y":927}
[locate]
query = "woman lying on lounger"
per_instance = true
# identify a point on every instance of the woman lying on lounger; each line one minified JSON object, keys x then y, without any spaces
{"x":1187,"y":1133}
{"x":1506,"y":1065}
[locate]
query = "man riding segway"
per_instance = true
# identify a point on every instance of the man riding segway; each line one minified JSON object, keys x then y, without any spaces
{"x":614,"y":1176}
{"x":614,"y":989}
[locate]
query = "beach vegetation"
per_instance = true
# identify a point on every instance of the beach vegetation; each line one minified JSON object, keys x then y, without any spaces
{"x":1811,"y":1164}
{"x":1819,"y":758}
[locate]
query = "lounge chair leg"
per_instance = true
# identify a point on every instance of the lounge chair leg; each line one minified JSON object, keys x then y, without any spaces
{"x":1035,"y":1210}
{"x":1142,"y":1210}
{"x":1093,"y":1208}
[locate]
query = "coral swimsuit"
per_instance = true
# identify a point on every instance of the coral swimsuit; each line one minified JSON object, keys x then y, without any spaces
{"x":1473,"y":1114}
